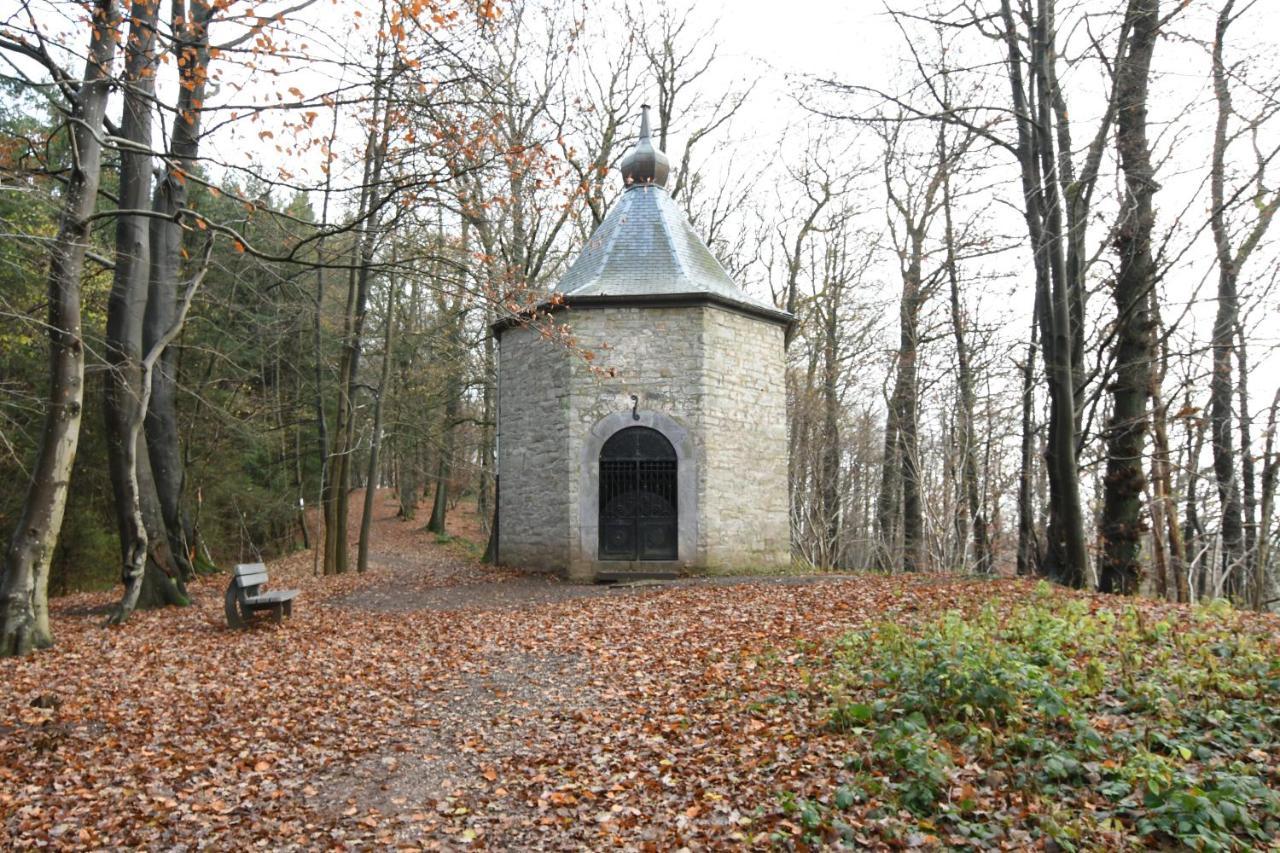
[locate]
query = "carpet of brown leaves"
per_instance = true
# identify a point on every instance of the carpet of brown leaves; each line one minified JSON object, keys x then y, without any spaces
{"x":573,"y":718}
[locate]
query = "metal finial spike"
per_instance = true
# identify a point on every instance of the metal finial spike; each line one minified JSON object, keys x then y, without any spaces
{"x":644,"y":121}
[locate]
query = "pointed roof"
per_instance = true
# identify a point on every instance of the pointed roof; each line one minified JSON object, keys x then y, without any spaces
{"x":646,"y":250}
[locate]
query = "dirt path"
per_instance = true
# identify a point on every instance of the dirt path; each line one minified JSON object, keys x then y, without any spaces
{"x":423,"y":574}
{"x":513,"y":700}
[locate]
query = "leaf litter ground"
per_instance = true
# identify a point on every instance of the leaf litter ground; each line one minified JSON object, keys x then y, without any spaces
{"x":434,"y":703}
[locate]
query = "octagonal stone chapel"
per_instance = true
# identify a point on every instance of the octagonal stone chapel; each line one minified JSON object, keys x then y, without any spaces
{"x":677,"y":462}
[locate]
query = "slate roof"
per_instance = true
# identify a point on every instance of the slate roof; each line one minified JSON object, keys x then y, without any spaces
{"x":646,"y":249}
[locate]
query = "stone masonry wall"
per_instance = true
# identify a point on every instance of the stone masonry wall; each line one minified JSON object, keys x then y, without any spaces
{"x":533,"y":451}
{"x":656,"y":353}
{"x":745,"y":500}
{"x":714,"y":375}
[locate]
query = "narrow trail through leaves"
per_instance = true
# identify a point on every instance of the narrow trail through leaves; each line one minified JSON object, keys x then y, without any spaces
{"x":432,"y":702}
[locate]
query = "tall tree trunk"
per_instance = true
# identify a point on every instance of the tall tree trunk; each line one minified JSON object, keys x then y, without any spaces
{"x":164,"y":451}
{"x":444,"y":470}
{"x":966,"y":437}
{"x":24,"y":583}
{"x":488,"y":509}
{"x":1066,"y":554}
{"x":832,"y":447}
{"x":1231,"y":260}
{"x":340,"y":461}
{"x":454,"y":355}
{"x":889,"y":497}
{"x":337,"y":471}
{"x":1270,"y":468}
{"x":388,"y":342}
{"x":328,"y":508}
{"x":407,"y":440}
{"x":1194,"y":531}
{"x":1121,"y":524}
{"x":1164,"y":505}
{"x":913,"y":558}
{"x":299,"y":478}
{"x":1248,"y":475}
{"x":147,"y":561}
{"x":1028,"y":558}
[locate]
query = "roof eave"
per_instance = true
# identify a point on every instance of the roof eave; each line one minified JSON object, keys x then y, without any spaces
{"x":649,"y":300}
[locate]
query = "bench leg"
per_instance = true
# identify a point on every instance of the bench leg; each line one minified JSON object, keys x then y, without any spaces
{"x":278,"y":613}
{"x":288,"y":608}
{"x":235,"y":614}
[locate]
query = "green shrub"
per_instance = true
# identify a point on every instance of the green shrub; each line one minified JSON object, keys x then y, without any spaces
{"x":1096,"y":720}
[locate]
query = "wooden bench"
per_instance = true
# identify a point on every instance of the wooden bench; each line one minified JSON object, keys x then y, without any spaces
{"x":245,"y":596}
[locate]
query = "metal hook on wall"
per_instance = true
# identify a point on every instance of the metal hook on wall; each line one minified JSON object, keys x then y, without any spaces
{"x":635,"y":406}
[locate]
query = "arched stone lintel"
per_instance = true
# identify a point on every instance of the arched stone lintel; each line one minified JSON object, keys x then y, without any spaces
{"x":588,"y":562}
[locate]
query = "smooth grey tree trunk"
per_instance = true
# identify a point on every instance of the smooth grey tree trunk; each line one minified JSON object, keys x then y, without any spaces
{"x":326,"y":502}
{"x":453,"y":312}
{"x":163,"y":446}
{"x":132,"y":486}
{"x":830,"y":493}
{"x":1164,"y":501}
{"x":889,"y":495}
{"x":1193,"y":530}
{"x":1028,"y":557}
{"x":24,"y":584}
{"x":452,"y":406}
{"x":1248,"y":474}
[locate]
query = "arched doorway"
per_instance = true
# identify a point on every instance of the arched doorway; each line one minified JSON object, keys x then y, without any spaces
{"x":638,"y":511}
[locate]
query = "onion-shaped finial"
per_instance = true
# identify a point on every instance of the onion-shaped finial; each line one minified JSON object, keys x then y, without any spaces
{"x":644,"y":164}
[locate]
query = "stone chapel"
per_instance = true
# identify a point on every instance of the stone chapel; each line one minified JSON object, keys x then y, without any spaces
{"x":675,"y":464}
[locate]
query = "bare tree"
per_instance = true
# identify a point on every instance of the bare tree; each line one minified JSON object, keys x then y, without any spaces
{"x":1056,"y":200}
{"x":1029,"y":553}
{"x":1120,"y":526}
{"x":144,"y":545}
{"x":190,"y":33}
{"x":914,"y":187}
{"x":24,"y":585}
{"x":967,"y":437}
{"x":451,"y":311}
{"x":678,"y":60}
{"x":1231,"y":259}
{"x":1168,"y":549}
{"x":373,"y":196}
{"x":375,"y":446}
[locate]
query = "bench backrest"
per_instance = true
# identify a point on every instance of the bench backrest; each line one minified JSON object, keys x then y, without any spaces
{"x":250,"y":576}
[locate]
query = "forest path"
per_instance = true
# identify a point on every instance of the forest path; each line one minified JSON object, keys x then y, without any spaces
{"x":558,"y":670}
{"x":487,"y":710}
{"x":426,"y":573}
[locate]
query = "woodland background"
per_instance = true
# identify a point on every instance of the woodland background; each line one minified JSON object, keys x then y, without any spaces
{"x":1032,"y":270}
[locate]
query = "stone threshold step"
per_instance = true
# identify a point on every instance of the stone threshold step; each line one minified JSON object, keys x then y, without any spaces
{"x":636,"y":578}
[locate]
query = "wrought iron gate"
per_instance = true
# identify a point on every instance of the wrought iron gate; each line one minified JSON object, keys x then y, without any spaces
{"x":638,"y":496}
